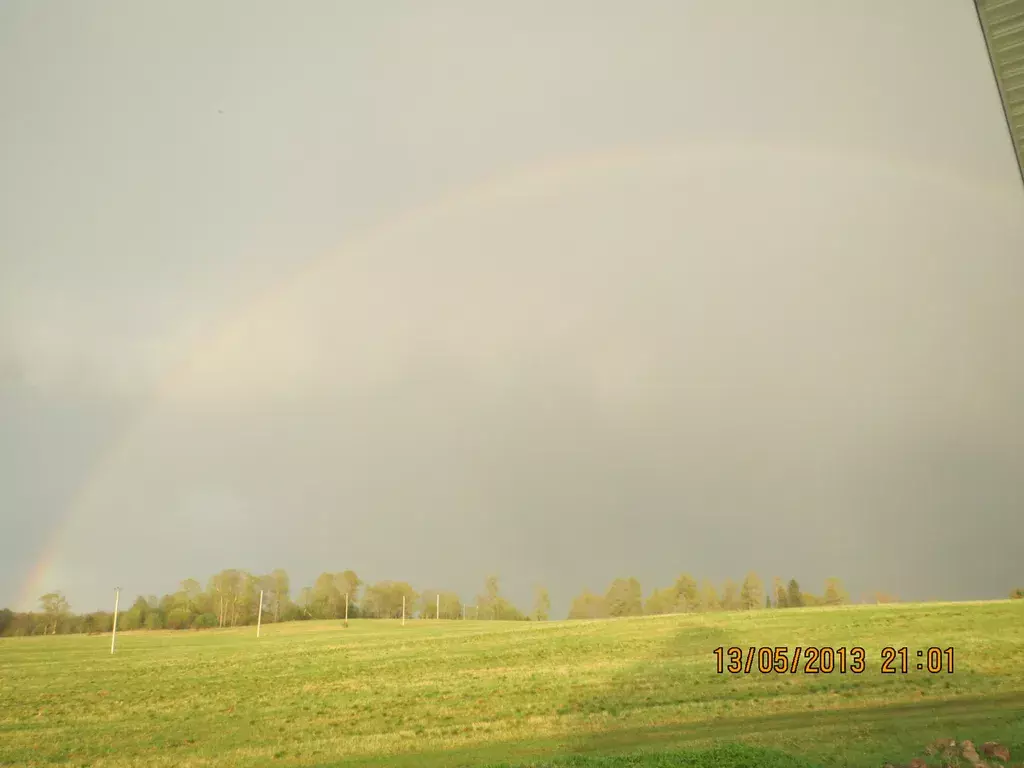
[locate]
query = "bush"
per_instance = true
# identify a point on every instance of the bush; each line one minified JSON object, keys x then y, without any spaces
{"x":204,"y":621}
{"x":129,"y":620}
{"x":179,"y":618}
{"x":1017,"y":594}
{"x":101,"y":622}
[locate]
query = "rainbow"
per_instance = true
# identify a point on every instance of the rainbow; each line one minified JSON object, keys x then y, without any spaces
{"x":44,"y":574}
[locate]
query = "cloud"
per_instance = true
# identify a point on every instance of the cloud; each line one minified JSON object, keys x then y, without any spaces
{"x":670,"y":360}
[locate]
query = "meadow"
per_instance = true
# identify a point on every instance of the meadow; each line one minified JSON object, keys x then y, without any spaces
{"x":640,"y":691}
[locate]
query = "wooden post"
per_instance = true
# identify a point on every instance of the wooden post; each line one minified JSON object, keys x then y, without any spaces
{"x":113,"y":635}
{"x":403,"y":610}
{"x":259,"y":615}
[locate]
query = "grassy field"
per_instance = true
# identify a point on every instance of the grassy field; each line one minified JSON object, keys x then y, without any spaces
{"x":493,"y":693}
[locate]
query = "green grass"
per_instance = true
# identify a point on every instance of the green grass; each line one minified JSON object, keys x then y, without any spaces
{"x":492,"y":693}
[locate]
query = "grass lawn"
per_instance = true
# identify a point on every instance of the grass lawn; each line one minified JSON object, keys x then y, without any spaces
{"x":626,"y":692}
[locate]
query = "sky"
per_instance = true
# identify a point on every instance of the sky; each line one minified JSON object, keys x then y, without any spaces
{"x":562,"y":292}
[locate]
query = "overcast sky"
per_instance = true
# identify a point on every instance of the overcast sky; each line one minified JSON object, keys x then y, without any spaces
{"x":562,"y":291}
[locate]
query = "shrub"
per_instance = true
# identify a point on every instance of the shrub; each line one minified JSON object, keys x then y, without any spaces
{"x":204,"y":620}
{"x":179,"y":618}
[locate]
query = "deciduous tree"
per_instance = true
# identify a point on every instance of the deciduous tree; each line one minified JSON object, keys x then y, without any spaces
{"x":541,"y":604}
{"x":730,"y":596}
{"x":751,"y":592}
{"x":587,"y":605}
{"x":834,"y":592}
{"x":384,"y":599}
{"x":348,"y":584}
{"x":624,"y":598}
{"x":687,"y":598}
{"x":491,"y":604}
{"x":278,"y":586}
{"x":779,"y":589}
{"x":55,"y":608}
{"x":660,"y":601}
{"x":709,"y":597}
{"x":326,"y":597}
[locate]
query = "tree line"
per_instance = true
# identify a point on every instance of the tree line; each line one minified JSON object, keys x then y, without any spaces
{"x":231,"y":598}
{"x":624,"y":597}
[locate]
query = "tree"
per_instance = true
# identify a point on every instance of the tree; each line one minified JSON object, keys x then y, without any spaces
{"x":427,"y":609}
{"x":685,"y":590}
{"x":750,"y":593}
{"x":730,"y":596}
{"x":709,"y":597}
{"x":624,"y":598}
{"x":488,"y":602}
{"x":767,"y":601}
{"x":129,"y":620}
{"x":100,"y":621}
{"x":834,"y":592}
{"x":432,"y":599}
{"x":348,"y":584}
{"x":587,"y":605}
{"x":248,"y":606}
{"x":179,"y":618}
{"x":188,"y":595}
{"x":277,"y":586}
{"x":661,"y":601}
{"x":227,"y":589}
{"x":794,"y":597}
{"x":205,"y":620}
{"x":167,"y":604}
{"x":55,"y":607}
{"x":541,"y":604}
{"x":237,"y":588}
{"x":451,"y":605}
{"x":779,"y":589}
{"x":384,"y":599}
{"x":6,"y":620}
{"x":306,"y":600}
{"x":1017,"y":594}
{"x":326,"y":597}
{"x":491,"y":604}
{"x":135,"y":616}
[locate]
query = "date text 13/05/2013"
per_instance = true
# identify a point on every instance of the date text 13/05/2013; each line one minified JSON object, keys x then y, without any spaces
{"x":826,"y":659}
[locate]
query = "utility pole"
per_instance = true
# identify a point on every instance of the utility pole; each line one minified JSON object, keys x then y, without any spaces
{"x":403,"y":610}
{"x":437,"y":611}
{"x":259,"y":615}
{"x":346,"y":609}
{"x":113,"y":635}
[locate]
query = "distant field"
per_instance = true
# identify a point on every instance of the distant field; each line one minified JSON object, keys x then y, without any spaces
{"x":488,"y":693}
